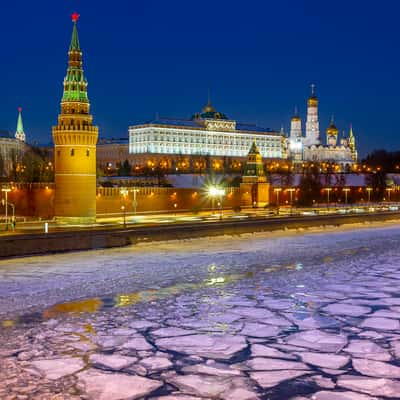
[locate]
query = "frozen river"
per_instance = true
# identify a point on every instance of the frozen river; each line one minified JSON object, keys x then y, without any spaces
{"x":282,"y":316}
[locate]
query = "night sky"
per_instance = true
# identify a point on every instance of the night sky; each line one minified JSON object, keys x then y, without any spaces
{"x":258,"y":57}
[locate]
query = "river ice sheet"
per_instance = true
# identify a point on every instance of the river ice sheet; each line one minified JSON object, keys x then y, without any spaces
{"x":309,"y":316}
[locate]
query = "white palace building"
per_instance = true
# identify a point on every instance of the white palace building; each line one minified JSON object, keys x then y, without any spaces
{"x":207,"y":133}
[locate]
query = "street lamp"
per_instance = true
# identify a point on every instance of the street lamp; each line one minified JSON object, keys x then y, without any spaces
{"x":277,"y":191}
{"x":135,"y":191}
{"x":328,"y":190}
{"x":291,"y":190}
{"x":216,"y":192}
{"x":346,"y":190}
{"x":369,"y":194}
{"x":389,"y":191}
{"x":6,"y":191}
{"x":124,"y":192}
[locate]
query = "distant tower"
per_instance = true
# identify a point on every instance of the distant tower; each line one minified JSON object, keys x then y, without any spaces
{"x":312,"y":124}
{"x":254,"y":187}
{"x":296,"y":139}
{"x":20,"y":134}
{"x":75,"y":140}
{"x":295,"y":126}
{"x":332,"y":134}
{"x":352,"y":143}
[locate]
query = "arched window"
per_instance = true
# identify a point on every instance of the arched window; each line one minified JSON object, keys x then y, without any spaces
{"x":87,"y":152}
{"x":72,"y":152}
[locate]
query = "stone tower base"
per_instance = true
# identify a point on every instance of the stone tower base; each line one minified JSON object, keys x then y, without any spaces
{"x":254,"y":194}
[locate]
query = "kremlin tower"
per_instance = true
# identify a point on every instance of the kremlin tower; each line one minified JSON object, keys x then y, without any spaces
{"x":254,"y":187}
{"x":20,"y":134}
{"x":75,"y":139}
{"x":312,"y":124}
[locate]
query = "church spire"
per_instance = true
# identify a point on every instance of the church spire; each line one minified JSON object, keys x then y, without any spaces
{"x":19,"y":134}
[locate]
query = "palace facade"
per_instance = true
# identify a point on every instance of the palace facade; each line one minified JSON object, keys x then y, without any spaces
{"x":209,"y":133}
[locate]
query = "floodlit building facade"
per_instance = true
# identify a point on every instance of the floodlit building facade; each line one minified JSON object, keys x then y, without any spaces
{"x":311,"y":148}
{"x":209,"y":133}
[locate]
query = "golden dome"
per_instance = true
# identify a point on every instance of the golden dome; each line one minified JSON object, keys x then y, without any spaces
{"x":296,"y":118}
{"x":313,"y":101}
{"x":208,"y":108}
{"x":332,"y":130}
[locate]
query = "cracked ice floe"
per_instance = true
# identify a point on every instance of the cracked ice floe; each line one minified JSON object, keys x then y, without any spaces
{"x":138,"y":344}
{"x":216,"y":369}
{"x":111,"y":361}
{"x":367,"y":349}
{"x":346,"y":309}
{"x":154,"y":364}
{"x":260,"y":330}
{"x":272,"y":364}
{"x":270,"y":379}
{"x":172,"y":331}
{"x":386,"y":314}
{"x":220,"y":347}
{"x":332,"y":361}
{"x":384,"y":324}
{"x":210,"y":386}
{"x":142,"y":324}
{"x":314,"y":322}
{"x":372,"y":386}
{"x":259,"y":350}
{"x":330,"y":395}
{"x":59,"y":367}
{"x":317,"y":340}
{"x":377,"y":369}
{"x":117,"y":386}
{"x":254,"y":313}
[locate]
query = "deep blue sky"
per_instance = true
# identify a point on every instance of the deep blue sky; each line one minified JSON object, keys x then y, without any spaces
{"x":259,"y":57}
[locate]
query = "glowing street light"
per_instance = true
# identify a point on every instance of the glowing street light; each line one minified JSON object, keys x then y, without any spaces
{"x":328,"y":190}
{"x":135,"y":192}
{"x":277,"y":191}
{"x":218,"y":193}
{"x":6,"y":191}
{"x":346,"y":190}
{"x":124,"y":192}
{"x":389,"y":190}
{"x":369,"y":194}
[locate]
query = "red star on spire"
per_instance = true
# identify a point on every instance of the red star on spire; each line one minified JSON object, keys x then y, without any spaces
{"x":19,"y":109}
{"x":75,"y":16}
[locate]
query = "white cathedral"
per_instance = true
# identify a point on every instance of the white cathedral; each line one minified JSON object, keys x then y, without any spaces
{"x":310,"y":147}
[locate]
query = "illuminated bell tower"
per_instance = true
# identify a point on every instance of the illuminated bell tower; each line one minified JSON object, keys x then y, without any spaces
{"x":312,"y":124}
{"x":75,"y":140}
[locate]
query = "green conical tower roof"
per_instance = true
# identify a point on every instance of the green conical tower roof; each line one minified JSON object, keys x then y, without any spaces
{"x":75,"y":38}
{"x":254,"y":148}
{"x":75,"y":84}
{"x":20,"y":125}
{"x":254,"y":166}
{"x":20,"y":134}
